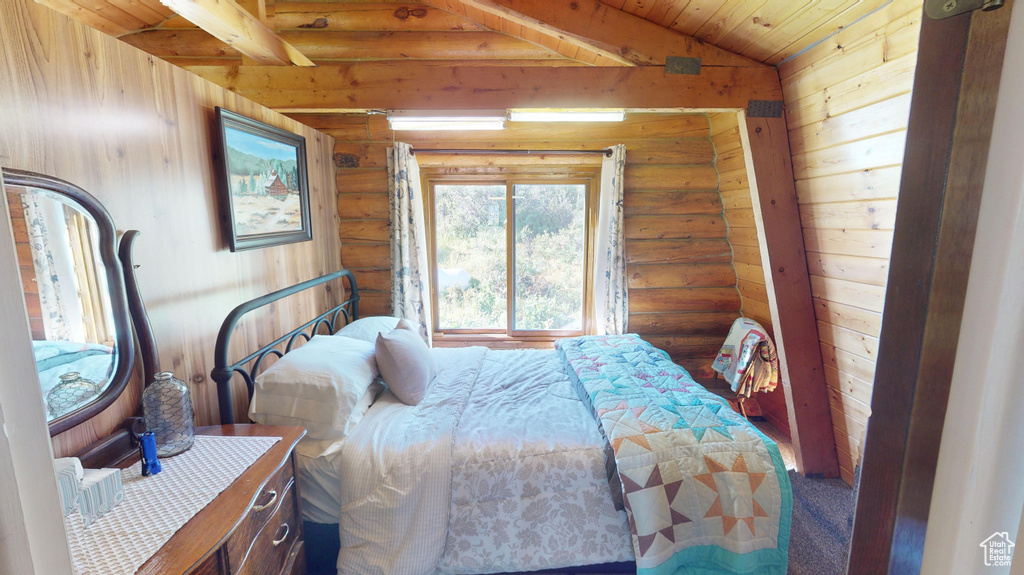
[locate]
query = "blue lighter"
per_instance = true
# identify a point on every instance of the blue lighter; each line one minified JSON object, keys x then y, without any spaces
{"x":147,"y":451}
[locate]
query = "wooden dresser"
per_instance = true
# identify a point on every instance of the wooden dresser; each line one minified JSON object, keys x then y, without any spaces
{"x":254,"y":527}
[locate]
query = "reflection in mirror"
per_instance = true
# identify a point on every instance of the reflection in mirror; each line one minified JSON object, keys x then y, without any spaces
{"x":73,"y":292}
{"x":68,"y":303}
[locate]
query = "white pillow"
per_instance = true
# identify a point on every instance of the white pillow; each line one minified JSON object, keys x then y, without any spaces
{"x":405,"y":364}
{"x":368,"y":328}
{"x":313,"y":448}
{"x":317,"y":386}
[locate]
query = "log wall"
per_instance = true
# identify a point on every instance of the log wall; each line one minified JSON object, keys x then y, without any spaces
{"x":847,"y":104}
{"x":746,"y":251}
{"x":682,"y":283}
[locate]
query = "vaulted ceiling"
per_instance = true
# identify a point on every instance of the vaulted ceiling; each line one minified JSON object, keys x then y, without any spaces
{"x":482,"y":32}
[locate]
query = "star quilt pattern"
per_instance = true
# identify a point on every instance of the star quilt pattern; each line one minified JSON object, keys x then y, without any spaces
{"x":704,"y":491}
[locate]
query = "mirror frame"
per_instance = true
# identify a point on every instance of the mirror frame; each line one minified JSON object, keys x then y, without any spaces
{"x":107,"y":242}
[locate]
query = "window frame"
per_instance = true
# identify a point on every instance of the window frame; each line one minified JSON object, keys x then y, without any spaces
{"x":510,"y":176}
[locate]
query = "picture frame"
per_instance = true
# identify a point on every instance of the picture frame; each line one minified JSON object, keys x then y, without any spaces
{"x":264,"y":189}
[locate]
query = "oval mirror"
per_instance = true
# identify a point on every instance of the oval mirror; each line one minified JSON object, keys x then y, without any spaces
{"x":75,"y":295}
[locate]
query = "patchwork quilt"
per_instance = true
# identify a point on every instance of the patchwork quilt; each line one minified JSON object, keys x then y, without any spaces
{"x":704,"y":491}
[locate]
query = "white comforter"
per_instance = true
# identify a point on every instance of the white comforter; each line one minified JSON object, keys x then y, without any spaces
{"x":500,"y":468}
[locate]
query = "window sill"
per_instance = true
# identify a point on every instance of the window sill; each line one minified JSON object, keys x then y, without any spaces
{"x":496,"y":341}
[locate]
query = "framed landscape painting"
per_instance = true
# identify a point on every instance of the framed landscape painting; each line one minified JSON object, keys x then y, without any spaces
{"x":264,"y":191}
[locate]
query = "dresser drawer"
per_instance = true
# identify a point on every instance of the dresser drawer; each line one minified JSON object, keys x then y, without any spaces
{"x":263,"y":541}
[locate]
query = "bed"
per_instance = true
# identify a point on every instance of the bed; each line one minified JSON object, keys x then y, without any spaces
{"x":92,"y":361}
{"x":601,"y":452}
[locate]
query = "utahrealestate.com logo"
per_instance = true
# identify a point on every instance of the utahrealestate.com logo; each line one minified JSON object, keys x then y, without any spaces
{"x":998,"y":550}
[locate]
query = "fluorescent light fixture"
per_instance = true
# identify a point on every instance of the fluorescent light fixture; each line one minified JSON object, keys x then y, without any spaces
{"x":567,"y":115}
{"x":443,"y":120}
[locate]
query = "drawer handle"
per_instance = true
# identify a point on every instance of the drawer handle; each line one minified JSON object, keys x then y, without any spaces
{"x":273,"y":498}
{"x":277,"y":542}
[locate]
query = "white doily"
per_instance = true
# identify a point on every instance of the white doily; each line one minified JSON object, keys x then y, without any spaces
{"x":155,"y":507}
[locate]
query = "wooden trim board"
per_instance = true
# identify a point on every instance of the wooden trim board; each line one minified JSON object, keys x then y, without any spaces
{"x":954,"y":96}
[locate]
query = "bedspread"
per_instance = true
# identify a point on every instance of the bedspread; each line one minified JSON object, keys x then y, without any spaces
{"x":397,"y":489}
{"x":705,"y":492}
{"x":529,"y":483}
{"x":501,"y":467}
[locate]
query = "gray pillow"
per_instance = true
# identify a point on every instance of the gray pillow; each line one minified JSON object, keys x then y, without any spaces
{"x":405,"y":364}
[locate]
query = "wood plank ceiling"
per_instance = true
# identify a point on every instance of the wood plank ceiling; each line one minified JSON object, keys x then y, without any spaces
{"x":480,"y":32}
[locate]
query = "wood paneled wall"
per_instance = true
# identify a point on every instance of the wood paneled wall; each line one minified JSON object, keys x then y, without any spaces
{"x":847,"y":104}
{"x":746,"y":251}
{"x":138,"y":134}
{"x":682,"y":283}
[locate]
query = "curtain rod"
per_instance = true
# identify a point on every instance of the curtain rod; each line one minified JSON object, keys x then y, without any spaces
{"x":607,"y":152}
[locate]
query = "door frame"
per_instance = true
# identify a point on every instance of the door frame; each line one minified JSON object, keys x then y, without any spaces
{"x":951,"y":118}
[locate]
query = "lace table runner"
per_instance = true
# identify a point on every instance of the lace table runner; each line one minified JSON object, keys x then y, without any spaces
{"x":155,"y":507}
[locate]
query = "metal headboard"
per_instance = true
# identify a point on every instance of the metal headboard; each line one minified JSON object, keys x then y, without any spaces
{"x":223,"y":371}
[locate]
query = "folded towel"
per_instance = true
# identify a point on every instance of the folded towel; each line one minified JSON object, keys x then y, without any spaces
{"x":101,"y":491}
{"x":69,"y":482}
{"x":69,"y":463}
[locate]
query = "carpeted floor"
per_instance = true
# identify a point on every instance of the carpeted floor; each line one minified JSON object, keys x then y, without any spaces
{"x":822,"y":517}
{"x":822,"y":524}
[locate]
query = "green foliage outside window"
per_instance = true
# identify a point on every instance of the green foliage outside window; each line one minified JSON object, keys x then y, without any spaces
{"x":549,"y":255}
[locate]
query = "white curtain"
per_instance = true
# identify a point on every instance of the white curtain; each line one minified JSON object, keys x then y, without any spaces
{"x":54,"y":265}
{"x":410,"y":283}
{"x":611,"y":304}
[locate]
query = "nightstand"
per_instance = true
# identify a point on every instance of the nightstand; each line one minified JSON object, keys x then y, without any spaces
{"x":254,"y":527}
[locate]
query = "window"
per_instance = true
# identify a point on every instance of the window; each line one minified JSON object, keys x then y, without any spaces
{"x":510,"y":252}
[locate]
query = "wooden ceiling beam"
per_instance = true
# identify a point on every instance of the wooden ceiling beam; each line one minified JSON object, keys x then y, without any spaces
{"x":391,"y":86}
{"x":367,"y":17}
{"x":227,"y":61}
{"x":238,"y":28}
{"x":257,"y":8}
{"x":616,"y":35}
{"x":355,"y":46}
